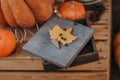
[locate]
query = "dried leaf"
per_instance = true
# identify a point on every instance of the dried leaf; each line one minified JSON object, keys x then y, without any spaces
{"x":63,"y":36}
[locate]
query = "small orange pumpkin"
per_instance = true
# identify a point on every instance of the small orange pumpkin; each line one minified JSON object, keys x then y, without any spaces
{"x":72,"y":10}
{"x":7,"y":42}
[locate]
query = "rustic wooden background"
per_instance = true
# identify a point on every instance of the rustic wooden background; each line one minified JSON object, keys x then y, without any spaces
{"x":21,"y":66}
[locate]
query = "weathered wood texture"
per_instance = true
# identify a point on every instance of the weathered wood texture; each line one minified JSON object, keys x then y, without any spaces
{"x":20,"y":61}
{"x":52,"y":76}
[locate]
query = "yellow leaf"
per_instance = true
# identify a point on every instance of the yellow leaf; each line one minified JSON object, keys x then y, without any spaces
{"x":54,"y":33}
{"x":63,"y":36}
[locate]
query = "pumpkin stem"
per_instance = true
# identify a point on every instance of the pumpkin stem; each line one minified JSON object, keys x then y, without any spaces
{"x":72,"y":4}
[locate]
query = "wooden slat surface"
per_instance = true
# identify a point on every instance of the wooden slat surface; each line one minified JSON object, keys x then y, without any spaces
{"x":101,"y":32}
{"x":52,"y":76}
{"x":98,"y":70}
{"x":20,"y":65}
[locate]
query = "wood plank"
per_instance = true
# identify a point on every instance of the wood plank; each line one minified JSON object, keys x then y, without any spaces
{"x":107,"y":2}
{"x":52,"y":76}
{"x":109,"y":41}
{"x":105,"y":16}
{"x":102,"y":49}
{"x":21,"y":65}
{"x":93,"y":66}
{"x":101,"y":32}
{"x":37,"y":65}
{"x":103,"y":19}
{"x":100,"y":22}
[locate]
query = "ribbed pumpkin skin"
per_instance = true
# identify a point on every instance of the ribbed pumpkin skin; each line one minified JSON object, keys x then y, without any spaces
{"x":8,"y":14}
{"x":42,"y":9}
{"x":7,"y":42}
{"x":73,"y":10}
{"x":21,"y":13}
{"x":2,"y":19}
{"x":117,"y":49}
{"x":53,"y":1}
{"x":25,"y":13}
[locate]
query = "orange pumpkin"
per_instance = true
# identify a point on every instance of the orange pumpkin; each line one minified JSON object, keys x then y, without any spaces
{"x":7,"y":42}
{"x":42,"y":9}
{"x":8,"y":13}
{"x":72,"y":10}
{"x":24,"y":13}
{"x":117,"y":49}
{"x":53,"y":1}
{"x":2,"y":19}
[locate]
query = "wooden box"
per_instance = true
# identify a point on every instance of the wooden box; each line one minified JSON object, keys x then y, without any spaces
{"x":88,"y":54}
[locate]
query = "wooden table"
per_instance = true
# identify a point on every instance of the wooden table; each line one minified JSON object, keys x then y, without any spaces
{"x":22,"y":66}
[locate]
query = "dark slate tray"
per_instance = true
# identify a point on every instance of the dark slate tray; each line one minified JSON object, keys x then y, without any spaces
{"x":88,"y":54}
